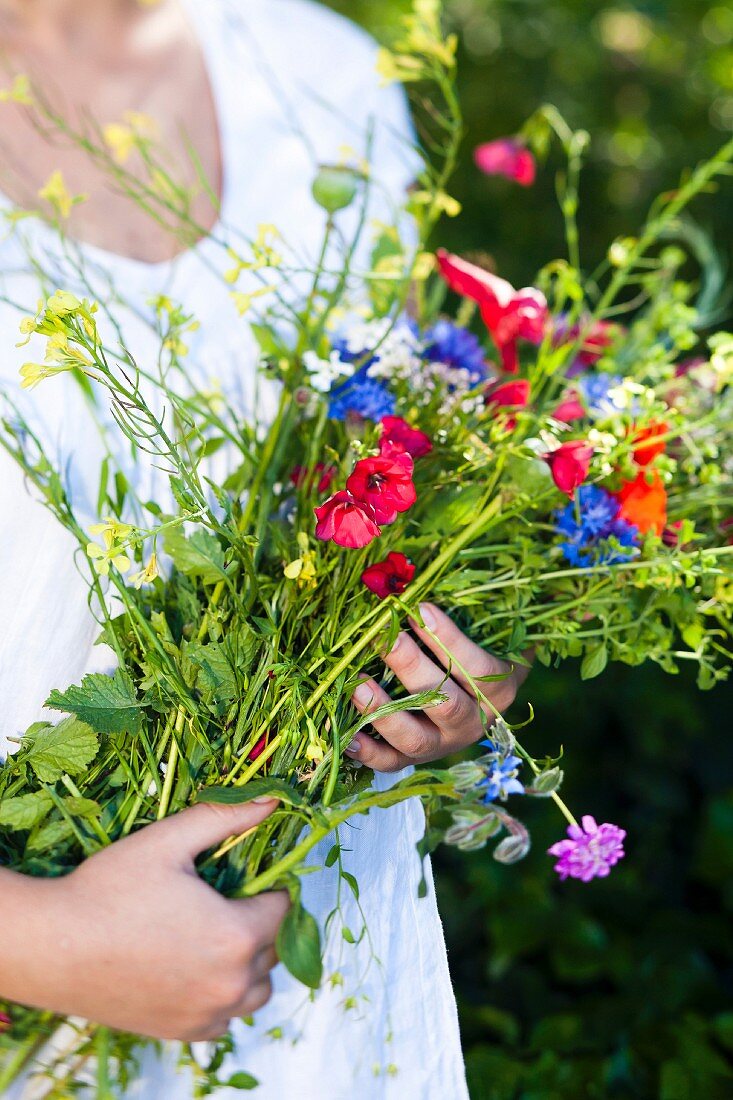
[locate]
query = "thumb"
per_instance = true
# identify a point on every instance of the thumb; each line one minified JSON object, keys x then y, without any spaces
{"x":186,"y":834}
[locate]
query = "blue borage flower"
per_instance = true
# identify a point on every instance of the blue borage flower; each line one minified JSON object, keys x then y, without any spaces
{"x":597,"y":535}
{"x":361,"y":396}
{"x":500,"y":779}
{"x":595,"y":390}
{"x":456,"y":347}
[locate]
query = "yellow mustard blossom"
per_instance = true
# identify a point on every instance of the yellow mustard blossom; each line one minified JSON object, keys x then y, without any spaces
{"x":440,"y":201}
{"x":120,"y":140}
{"x":263,"y":255}
{"x":112,"y":554}
{"x":57,"y":195}
{"x":148,"y":574}
{"x":18,"y":92}
{"x":303,"y":569}
{"x":243,"y":301}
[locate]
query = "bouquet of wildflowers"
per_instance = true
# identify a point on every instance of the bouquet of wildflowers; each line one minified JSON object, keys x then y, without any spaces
{"x":552,"y":463}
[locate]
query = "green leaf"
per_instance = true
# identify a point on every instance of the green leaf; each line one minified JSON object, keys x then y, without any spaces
{"x":50,"y":836}
{"x":256,"y":788}
{"x":68,"y":748}
{"x":299,"y":946}
{"x":106,"y":703}
{"x":25,"y":811}
{"x":242,"y":1080}
{"x":199,"y":555}
{"x":594,"y":662}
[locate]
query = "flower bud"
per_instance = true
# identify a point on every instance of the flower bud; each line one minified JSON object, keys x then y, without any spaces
{"x":335,"y":187}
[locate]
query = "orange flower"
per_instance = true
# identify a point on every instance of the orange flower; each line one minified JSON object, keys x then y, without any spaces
{"x":651,"y":444}
{"x":644,"y":502}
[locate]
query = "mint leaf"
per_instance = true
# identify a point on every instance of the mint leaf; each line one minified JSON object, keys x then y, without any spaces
{"x":594,"y":662}
{"x":256,"y":788}
{"x":199,"y":555}
{"x":68,"y":748}
{"x":25,"y":811}
{"x":106,"y":703}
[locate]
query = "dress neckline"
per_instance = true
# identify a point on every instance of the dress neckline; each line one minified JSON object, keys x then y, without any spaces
{"x":202,"y":29}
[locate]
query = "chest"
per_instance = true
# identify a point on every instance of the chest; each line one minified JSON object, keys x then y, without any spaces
{"x":146,"y":127}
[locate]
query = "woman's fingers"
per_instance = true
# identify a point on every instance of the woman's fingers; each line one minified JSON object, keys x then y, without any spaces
{"x":477,"y":662}
{"x":458,"y":717}
{"x":409,"y":736}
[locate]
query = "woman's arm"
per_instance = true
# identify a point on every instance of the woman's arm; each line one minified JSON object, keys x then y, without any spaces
{"x":135,"y":940}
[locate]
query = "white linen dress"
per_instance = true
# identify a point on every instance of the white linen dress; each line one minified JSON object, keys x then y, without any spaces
{"x":292,"y":84}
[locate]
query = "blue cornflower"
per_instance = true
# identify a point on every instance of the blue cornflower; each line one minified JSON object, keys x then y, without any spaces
{"x":595,"y":389}
{"x":500,"y":779}
{"x":590,"y":521}
{"x":457,"y":347}
{"x":361,"y":396}
{"x":363,"y":356}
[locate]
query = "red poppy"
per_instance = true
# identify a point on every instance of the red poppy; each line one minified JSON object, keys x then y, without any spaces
{"x":570,"y":408}
{"x":569,"y":465}
{"x":346,"y":521}
{"x":302,"y":475}
{"x":389,"y":577}
{"x":506,"y":157}
{"x":509,"y":315}
{"x":384,"y":483}
{"x":5,"y":1022}
{"x":511,"y":394}
{"x":398,"y":432}
{"x":644,"y":502}
{"x":727,"y":528}
{"x":648,"y":445}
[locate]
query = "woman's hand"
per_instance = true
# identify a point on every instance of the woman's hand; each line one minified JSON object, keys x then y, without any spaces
{"x":413,"y":738}
{"x":135,"y":940}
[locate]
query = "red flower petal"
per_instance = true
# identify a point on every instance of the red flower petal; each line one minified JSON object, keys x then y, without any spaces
{"x":506,"y":157}
{"x":398,"y":432}
{"x":389,"y":577}
{"x":346,"y":521}
{"x":384,"y":482}
{"x":569,"y":465}
{"x":509,"y":394}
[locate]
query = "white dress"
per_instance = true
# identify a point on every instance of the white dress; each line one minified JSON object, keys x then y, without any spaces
{"x":292,"y":84}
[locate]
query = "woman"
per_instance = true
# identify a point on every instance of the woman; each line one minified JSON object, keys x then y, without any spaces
{"x":133,"y":939}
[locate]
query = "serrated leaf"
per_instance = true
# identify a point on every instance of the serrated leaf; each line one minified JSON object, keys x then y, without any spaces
{"x":594,"y":662}
{"x":25,"y":811}
{"x":67,"y":748}
{"x":49,"y":836}
{"x":198,"y":555}
{"x":82,"y":807}
{"x":106,"y":703}
{"x":256,"y":788}
{"x":299,"y":946}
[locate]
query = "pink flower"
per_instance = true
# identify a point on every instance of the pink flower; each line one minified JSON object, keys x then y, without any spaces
{"x":590,"y":852}
{"x":396,"y":432}
{"x":597,"y":337}
{"x":507,"y":157}
{"x":389,"y":577}
{"x":384,"y":484}
{"x":346,"y":521}
{"x":5,"y":1022}
{"x":510,"y":315}
{"x":570,"y":408}
{"x":569,"y":465}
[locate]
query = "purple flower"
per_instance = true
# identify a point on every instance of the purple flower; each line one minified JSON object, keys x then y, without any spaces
{"x":457,"y":347}
{"x":590,"y":852}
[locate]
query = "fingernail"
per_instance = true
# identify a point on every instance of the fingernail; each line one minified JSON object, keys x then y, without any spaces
{"x":428,"y":616}
{"x":354,"y":747}
{"x":263,"y":799}
{"x":363,"y":695}
{"x":396,"y":645}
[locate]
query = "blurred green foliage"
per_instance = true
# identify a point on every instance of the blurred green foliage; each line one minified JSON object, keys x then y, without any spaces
{"x":622,"y":988}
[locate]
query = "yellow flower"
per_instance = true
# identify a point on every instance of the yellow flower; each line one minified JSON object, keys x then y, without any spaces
{"x":148,"y":574}
{"x":120,"y":140}
{"x":56,"y":194}
{"x":62,"y":302}
{"x":243,"y":301}
{"x":18,"y":92}
{"x":303,"y":569}
{"x":103,"y":560}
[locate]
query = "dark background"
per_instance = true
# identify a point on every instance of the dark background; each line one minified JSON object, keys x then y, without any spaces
{"x":621,"y":988}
